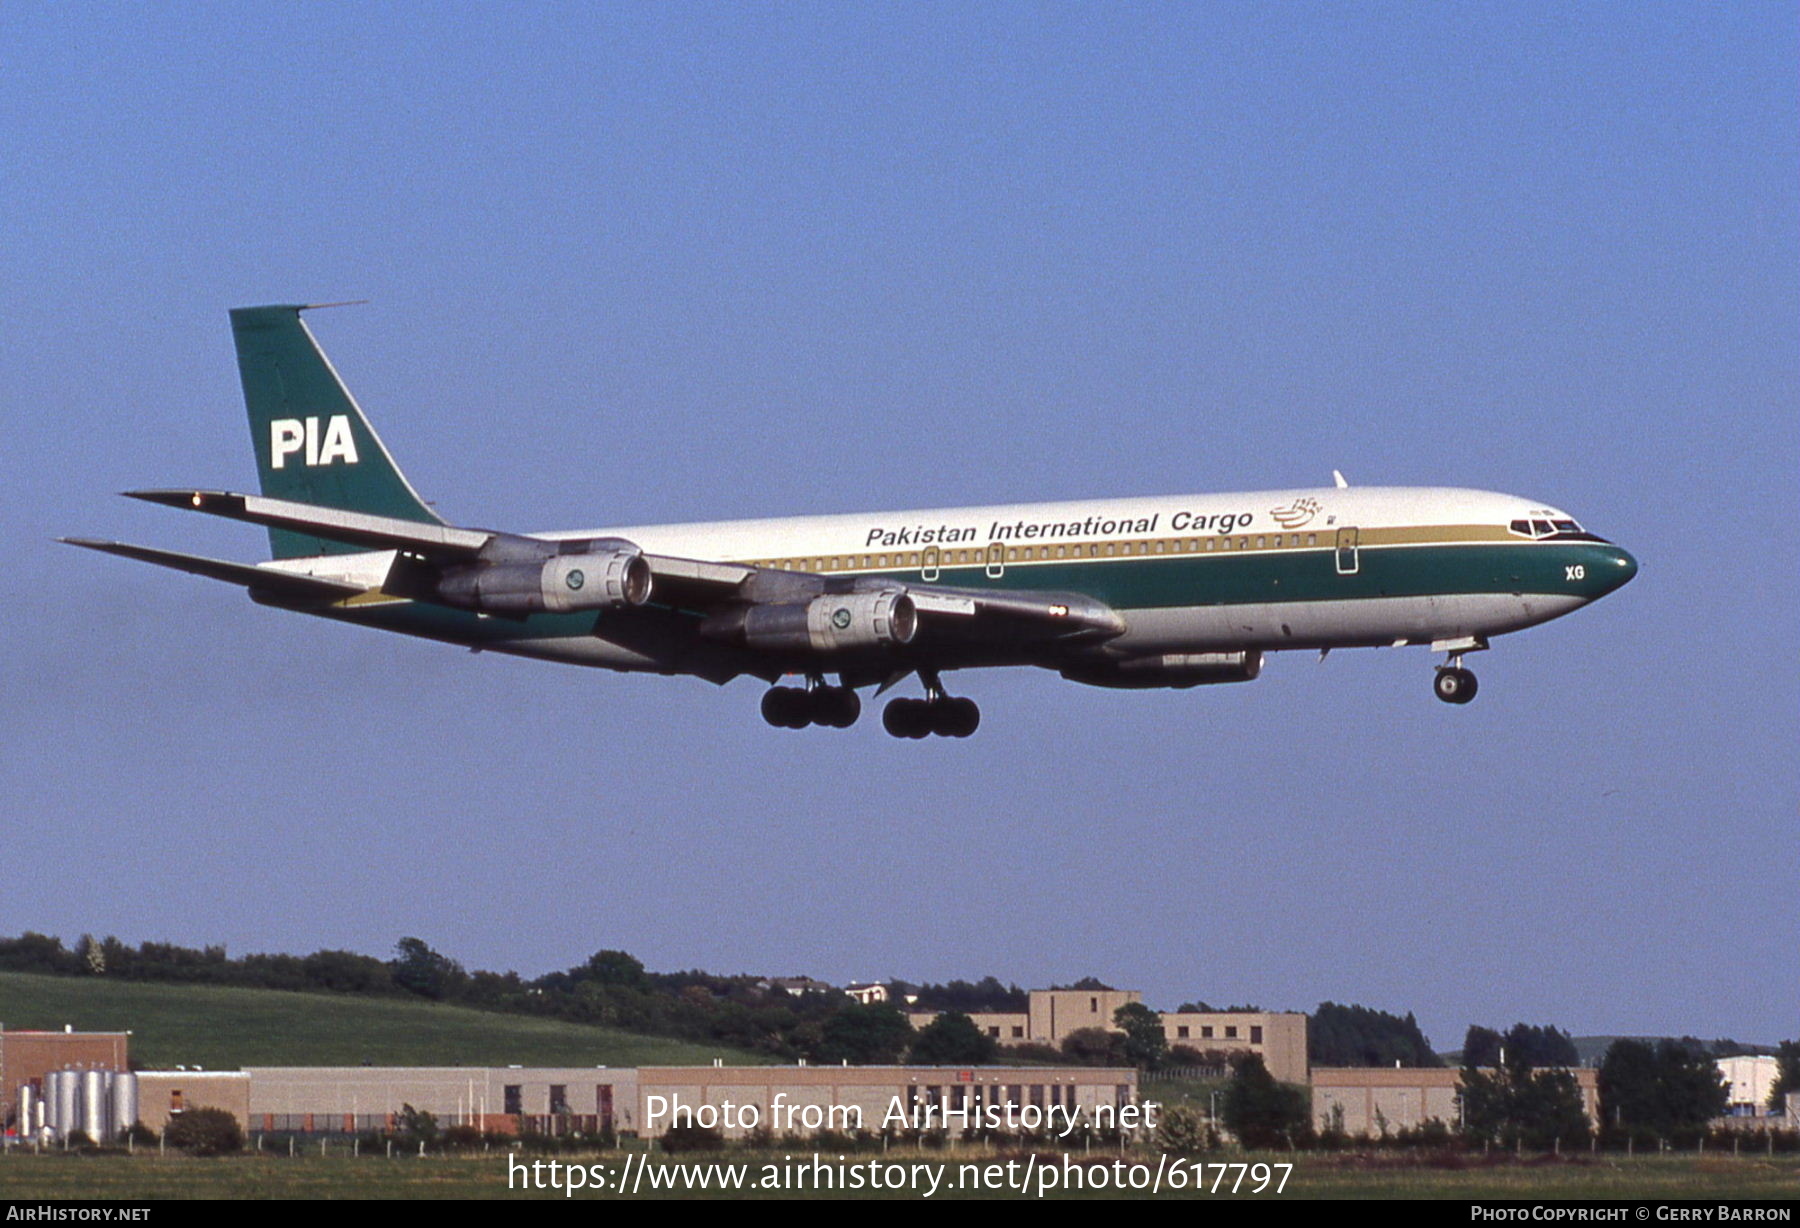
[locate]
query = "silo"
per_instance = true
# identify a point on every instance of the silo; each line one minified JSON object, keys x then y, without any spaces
{"x":124,"y":1103}
{"x":27,"y":1104}
{"x":68,"y":1092}
{"x":93,"y":1106}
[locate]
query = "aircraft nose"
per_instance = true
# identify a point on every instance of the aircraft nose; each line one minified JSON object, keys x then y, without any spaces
{"x":1617,"y":567}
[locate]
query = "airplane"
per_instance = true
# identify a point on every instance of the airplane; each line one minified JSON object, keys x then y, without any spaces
{"x":1134,"y":593}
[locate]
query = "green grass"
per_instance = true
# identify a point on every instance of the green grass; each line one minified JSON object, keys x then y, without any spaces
{"x":225,"y":1028}
{"x":146,"y":1176}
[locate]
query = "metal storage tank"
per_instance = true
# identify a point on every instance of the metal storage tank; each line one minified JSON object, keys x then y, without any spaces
{"x":67,"y":1093}
{"x":124,"y":1103}
{"x":27,"y":1105}
{"x":94,"y":1121}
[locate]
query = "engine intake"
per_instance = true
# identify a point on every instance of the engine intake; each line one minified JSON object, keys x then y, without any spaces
{"x":563,"y":584}
{"x":830,"y":624}
{"x":1170,"y":670}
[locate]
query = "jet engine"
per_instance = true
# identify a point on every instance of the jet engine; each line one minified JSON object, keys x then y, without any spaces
{"x":562,"y":584}
{"x":1170,"y":670}
{"x":830,"y":624}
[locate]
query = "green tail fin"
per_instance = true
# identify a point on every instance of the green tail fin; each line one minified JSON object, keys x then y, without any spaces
{"x":313,"y":445}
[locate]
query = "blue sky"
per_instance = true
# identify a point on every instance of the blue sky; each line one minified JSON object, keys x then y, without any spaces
{"x":645,"y":263}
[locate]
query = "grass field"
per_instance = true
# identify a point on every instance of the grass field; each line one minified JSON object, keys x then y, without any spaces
{"x":311,"y":1177}
{"x":226,"y":1028}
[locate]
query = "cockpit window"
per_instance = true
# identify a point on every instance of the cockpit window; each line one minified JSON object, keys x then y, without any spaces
{"x":1552,"y":529}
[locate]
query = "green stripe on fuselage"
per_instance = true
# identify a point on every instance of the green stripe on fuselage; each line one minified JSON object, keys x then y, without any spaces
{"x":1151,"y":582}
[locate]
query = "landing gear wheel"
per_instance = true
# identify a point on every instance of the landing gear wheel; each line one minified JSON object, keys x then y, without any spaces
{"x":787,"y":707}
{"x":955,"y":718}
{"x":1454,"y":685}
{"x":836,"y":707}
{"x":907,"y":718}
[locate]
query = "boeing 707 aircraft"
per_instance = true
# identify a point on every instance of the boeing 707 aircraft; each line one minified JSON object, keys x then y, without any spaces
{"x":1167,"y":592}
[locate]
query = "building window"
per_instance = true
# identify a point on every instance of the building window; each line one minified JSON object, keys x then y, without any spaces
{"x":1256,"y":1034}
{"x":1206,"y":1032}
{"x":1182,"y":1032}
{"x":1018,"y":1032}
{"x":1093,"y":1006}
{"x":513,"y":1100}
{"x":559,"y":1098}
{"x":1231,"y":1032}
{"x":994,"y":1031}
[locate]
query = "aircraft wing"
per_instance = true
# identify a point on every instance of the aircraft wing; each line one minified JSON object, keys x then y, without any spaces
{"x":266,"y":582}
{"x":438,"y":542}
{"x":685,"y":580}
{"x":700,"y":586}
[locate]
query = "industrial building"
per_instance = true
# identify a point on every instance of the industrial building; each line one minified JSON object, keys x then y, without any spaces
{"x":1375,"y":1100}
{"x":1052,"y":1015}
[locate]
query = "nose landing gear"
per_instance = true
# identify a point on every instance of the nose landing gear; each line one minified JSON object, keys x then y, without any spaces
{"x":1454,"y":684}
{"x":788,"y":707}
{"x":938,"y":713}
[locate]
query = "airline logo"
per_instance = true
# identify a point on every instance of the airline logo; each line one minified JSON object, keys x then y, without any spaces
{"x":327,"y":447}
{"x":1296,"y":513}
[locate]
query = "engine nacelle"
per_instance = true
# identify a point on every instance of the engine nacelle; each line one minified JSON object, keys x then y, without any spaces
{"x":562,"y":584}
{"x":831,"y":624}
{"x":1170,"y":670}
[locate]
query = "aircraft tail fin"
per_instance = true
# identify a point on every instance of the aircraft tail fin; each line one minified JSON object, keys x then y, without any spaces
{"x":313,"y":443}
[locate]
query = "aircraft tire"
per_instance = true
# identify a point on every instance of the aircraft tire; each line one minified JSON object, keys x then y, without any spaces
{"x":1454,"y":686}
{"x":786,"y":707}
{"x":836,"y":707}
{"x":956,"y":718}
{"x":906,"y":718}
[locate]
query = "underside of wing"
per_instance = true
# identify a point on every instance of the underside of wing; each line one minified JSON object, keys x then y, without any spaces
{"x":264,"y":582}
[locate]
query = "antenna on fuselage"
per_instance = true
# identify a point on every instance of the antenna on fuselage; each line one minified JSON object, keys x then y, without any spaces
{"x":1339,"y":479}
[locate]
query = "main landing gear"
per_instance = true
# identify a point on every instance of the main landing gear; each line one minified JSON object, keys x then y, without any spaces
{"x":790,"y":707}
{"x":938,"y":713}
{"x":1454,"y":684}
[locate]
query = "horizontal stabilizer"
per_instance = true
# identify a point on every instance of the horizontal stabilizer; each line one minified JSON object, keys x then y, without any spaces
{"x":262,"y":581}
{"x":371,"y":532}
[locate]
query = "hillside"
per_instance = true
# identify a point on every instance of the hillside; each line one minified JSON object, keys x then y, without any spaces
{"x":225,"y":1028}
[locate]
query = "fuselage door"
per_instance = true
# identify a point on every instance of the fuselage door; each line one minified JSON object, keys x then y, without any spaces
{"x":928,"y":565}
{"x":996,"y":561}
{"x":1347,"y":561}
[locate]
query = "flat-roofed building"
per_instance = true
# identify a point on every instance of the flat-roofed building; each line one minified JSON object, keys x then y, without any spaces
{"x":163,"y":1095}
{"x":648,"y":1101}
{"x":1278,"y":1037}
{"x":1376,"y":1099}
{"x":27,"y":1056}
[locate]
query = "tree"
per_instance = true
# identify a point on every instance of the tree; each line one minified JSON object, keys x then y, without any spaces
{"x":1670,"y":1089}
{"x":1146,"y":1043}
{"x":1518,"y":1105}
{"x":871,"y":1035}
{"x":1360,"y":1036}
{"x":1481,"y":1047}
{"x":204,"y":1132}
{"x":1261,"y":1112}
{"x":1095,"y":1047}
{"x":953,"y":1039}
{"x":616,"y":968}
{"x":1182,"y":1130}
{"x":1787,"y":1074}
{"x":417,"y":1125}
{"x":418,"y":969}
{"x":1537,"y":1047}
